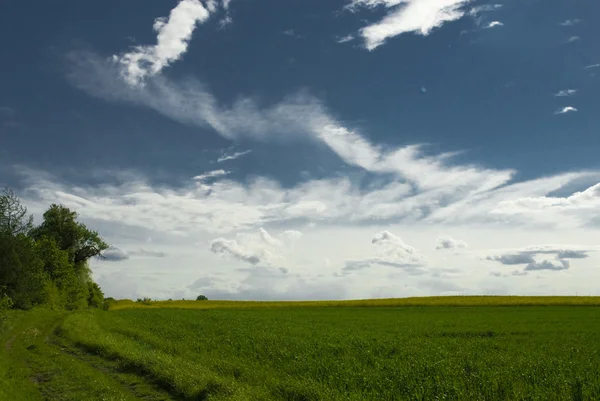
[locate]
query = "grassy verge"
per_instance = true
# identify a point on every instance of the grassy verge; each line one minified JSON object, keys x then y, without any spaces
{"x":32,"y":368}
{"x":317,"y":353}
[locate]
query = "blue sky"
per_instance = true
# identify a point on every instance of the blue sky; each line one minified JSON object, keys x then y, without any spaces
{"x":307,"y":149}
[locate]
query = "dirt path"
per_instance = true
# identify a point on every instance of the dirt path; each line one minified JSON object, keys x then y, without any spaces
{"x":9,"y":343}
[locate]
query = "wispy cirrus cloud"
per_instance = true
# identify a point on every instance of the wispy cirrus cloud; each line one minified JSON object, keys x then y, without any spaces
{"x":572,"y":39}
{"x":494,"y":24}
{"x":211,"y":174}
{"x":407,"y":16}
{"x":232,"y":156}
{"x":172,"y":40}
{"x":570,"y":22}
{"x":484,"y":8}
{"x":566,"y":109}
{"x":345,"y":39}
{"x":565,"y":92}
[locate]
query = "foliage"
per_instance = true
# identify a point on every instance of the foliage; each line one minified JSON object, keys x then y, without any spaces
{"x":353,"y":353}
{"x":60,"y":224}
{"x":201,"y":298}
{"x":5,"y":303}
{"x":13,"y":215}
{"x":145,"y":301}
{"x":47,"y":265}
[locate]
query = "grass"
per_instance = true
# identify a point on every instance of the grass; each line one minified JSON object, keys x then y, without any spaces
{"x":213,"y":350}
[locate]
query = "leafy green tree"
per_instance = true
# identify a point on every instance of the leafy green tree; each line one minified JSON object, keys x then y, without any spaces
{"x":13,"y":216}
{"x":48,"y":264}
{"x":95,"y":295}
{"x":201,"y":298}
{"x":21,"y":271}
{"x":60,"y":224}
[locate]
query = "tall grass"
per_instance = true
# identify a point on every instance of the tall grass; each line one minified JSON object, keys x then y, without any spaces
{"x":354,"y":353}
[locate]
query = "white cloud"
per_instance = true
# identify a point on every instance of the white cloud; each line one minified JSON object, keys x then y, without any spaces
{"x":572,"y":39}
{"x":344,"y":39}
{"x":514,"y":259}
{"x":526,"y":256}
{"x":566,"y":92}
{"x":257,"y":247}
{"x":475,"y":11}
{"x":565,"y":110}
{"x":114,"y":254}
{"x":391,"y":252}
{"x":407,"y":16}
{"x":211,"y":174}
{"x":421,"y":191}
{"x":548,"y":265}
{"x":232,"y":156}
{"x":588,"y":67}
{"x":570,"y":22}
{"x":450,"y":243}
{"x":227,"y":20}
{"x":222,"y":246}
{"x":173,"y":36}
{"x":494,"y":24}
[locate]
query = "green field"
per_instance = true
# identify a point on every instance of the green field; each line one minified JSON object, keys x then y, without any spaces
{"x":307,"y":351}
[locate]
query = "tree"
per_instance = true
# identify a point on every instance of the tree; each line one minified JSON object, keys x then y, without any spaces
{"x":13,"y":216}
{"x":201,"y":298}
{"x":48,"y":264}
{"x":61,"y":225}
{"x":22,"y":271}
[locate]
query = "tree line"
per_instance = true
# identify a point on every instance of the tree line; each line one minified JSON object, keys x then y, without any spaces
{"x":46,"y":265}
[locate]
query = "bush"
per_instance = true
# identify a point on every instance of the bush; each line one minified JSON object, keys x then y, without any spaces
{"x":5,"y":303}
{"x":201,"y":298}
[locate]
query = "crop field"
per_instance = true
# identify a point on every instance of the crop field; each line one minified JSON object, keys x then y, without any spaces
{"x":306,"y":352}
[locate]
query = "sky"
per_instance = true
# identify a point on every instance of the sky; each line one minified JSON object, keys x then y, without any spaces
{"x":307,"y":149}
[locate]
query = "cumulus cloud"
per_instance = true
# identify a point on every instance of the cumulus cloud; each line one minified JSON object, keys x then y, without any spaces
{"x":450,"y":243}
{"x":392,"y":251}
{"x":566,"y":92}
{"x":565,"y":110}
{"x":526,"y":256}
{"x":233,"y":156}
{"x":257,"y":247}
{"x":515,"y":259}
{"x":548,"y":265}
{"x":225,"y":247}
{"x":407,"y":16}
{"x":114,"y":254}
{"x":173,"y":36}
{"x":570,"y":22}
